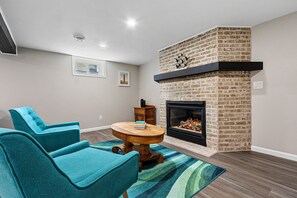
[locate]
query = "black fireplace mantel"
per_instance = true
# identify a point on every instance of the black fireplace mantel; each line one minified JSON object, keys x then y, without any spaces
{"x":211,"y":67}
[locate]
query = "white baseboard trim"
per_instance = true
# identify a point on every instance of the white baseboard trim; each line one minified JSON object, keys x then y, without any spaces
{"x":275,"y":153}
{"x":94,"y":129}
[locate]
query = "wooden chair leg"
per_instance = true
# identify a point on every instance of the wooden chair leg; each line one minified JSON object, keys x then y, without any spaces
{"x":125,"y":195}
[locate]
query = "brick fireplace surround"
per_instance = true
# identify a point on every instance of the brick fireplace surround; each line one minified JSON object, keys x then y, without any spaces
{"x":227,"y":93}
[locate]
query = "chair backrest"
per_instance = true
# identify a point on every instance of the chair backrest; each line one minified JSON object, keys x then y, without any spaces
{"x":27,"y":170}
{"x":9,"y":185}
{"x":27,"y":120}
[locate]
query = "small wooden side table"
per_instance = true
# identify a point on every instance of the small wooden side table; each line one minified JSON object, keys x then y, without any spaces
{"x":152,"y":134}
{"x":147,"y":114}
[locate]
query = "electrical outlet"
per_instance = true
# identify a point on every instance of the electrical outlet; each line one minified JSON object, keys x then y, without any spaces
{"x":258,"y":85}
{"x":100,"y":117}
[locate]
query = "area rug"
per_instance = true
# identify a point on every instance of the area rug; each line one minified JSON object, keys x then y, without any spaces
{"x":179,"y":176}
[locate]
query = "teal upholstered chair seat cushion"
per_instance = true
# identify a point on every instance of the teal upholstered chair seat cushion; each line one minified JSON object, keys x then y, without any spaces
{"x":50,"y":136}
{"x":82,"y":164}
{"x":76,"y":171}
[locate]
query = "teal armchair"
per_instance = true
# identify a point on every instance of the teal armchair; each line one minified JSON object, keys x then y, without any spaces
{"x":51,"y":137}
{"x":76,"y":171}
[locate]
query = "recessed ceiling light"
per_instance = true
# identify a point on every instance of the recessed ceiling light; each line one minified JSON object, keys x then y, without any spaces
{"x":103,"y":45}
{"x":131,"y":23}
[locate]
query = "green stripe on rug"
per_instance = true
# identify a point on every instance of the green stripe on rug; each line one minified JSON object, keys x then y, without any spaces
{"x":180,"y":187}
{"x":179,"y":176}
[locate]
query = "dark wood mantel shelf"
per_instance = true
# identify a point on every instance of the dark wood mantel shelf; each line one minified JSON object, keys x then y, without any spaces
{"x":211,"y":67}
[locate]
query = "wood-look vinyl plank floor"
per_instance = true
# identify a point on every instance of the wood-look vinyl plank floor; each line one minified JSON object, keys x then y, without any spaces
{"x":248,"y":174}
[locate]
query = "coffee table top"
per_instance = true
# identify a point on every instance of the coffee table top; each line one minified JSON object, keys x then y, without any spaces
{"x":126,"y":131}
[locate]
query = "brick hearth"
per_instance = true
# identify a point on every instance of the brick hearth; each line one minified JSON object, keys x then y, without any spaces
{"x":227,"y":93}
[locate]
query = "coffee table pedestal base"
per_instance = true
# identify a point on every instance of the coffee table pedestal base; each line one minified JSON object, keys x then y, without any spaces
{"x":144,"y":151}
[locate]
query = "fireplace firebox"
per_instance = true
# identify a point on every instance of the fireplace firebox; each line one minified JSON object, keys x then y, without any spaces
{"x":186,"y":120}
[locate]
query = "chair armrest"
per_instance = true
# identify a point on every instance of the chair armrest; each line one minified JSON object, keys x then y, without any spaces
{"x":70,"y":149}
{"x":62,"y":129}
{"x":129,"y":158}
{"x":61,"y":124}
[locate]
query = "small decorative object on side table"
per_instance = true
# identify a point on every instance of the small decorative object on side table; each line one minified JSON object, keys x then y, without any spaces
{"x":139,"y":125}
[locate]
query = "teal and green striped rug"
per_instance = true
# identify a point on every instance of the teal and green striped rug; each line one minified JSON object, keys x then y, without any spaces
{"x":177,"y":177}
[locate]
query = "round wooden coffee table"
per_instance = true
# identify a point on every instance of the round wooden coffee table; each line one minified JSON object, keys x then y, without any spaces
{"x":143,"y":137}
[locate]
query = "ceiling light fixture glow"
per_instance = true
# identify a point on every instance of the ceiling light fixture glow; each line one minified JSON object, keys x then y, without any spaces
{"x":103,"y":45}
{"x":131,"y":22}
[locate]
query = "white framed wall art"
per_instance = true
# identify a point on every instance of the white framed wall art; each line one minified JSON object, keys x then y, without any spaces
{"x":88,"y":67}
{"x":123,"y":78}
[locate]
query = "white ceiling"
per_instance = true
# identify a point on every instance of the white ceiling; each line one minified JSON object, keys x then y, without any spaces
{"x":50,"y":25}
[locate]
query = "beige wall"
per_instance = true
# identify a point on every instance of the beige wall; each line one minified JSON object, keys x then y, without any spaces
{"x":149,"y":90}
{"x":274,"y":108}
{"x":44,"y":81}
